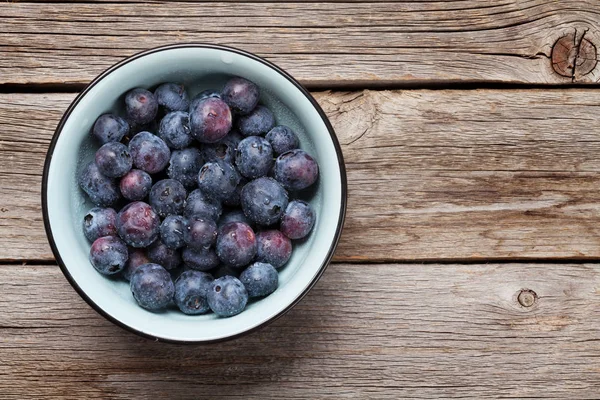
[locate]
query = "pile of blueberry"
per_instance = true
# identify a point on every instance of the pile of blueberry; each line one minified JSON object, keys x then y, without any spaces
{"x":191,"y":196}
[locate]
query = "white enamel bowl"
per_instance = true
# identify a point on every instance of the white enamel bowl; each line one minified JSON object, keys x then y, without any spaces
{"x":199,"y":67}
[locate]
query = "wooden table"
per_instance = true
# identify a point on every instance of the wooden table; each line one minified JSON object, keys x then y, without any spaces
{"x":468,"y":263}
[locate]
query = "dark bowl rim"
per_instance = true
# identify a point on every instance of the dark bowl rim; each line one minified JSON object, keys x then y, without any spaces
{"x":118,"y":65}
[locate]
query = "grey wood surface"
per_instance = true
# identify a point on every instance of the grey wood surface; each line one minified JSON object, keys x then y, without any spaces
{"x":384,"y":331}
{"x":324,"y":44}
{"x":460,"y":272}
{"x":433,"y":175}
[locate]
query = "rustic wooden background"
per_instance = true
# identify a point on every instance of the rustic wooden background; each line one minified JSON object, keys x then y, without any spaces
{"x":469,"y":261}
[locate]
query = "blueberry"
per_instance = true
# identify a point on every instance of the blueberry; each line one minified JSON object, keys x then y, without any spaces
{"x":172,"y":97}
{"x":200,"y":259}
{"x":260,"y":279}
{"x":254,"y":157}
{"x":234,"y":216}
{"x":273,"y":247}
{"x":171,"y":231}
{"x":141,"y":106}
{"x":200,"y":205}
{"x":260,"y":121}
{"x":175,"y":130}
{"x":108,"y":255}
{"x":234,"y":200}
{"x":137,"y":257}
{"x":204,"y":95}
{"x":138,"y":225}
{"x":225,"y":270}
{"x":233,"y":139}
{"x":200,"y":233}
{"x":264,"y":200}
{"x":167,"y":197}
{"x":160,"y":254}
{"x":227,"y":296}
{"x":135,"y":185}
{"x":185,"y":165}
{"x":223,"y":150}
{"x":219,"y":151}
{"x":218,"y":179}
{"x":151,"y":126}
{"x":191,"y":289}
{"x":113,"y":160}
{"x":176,"y":272}
{"x":297,"y":220}
{"x":241,"y":95}
{"x":102,"y":190}
{"x":296,"y":170}
{"x":209,"y":93}
{"x":152,"y":286}
{"x":149,"y":152}
{"x":282,"y":139}
{"x":236,"y":244}
{"x":100,"y":222}
{"x":210,"y":120}
{"x":160,"y":176}
{"x":110,"y":128}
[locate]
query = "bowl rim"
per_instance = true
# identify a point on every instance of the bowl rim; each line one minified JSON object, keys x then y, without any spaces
{"x":111,"y":69}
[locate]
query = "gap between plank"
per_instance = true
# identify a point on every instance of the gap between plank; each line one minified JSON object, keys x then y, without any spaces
{"x":337,"y":86}
{"x":537,"y":261}
{"x":248,"y":1}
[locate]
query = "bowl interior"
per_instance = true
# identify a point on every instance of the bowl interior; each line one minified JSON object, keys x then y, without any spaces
{"x":198,"y":68}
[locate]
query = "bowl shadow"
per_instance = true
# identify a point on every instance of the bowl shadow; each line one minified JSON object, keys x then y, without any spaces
{"x":247,"y":364}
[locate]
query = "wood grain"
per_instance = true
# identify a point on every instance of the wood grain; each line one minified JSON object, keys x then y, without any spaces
{"x":454,"y":175}
{"x":398,"y":331}
{"x":324,"y":44}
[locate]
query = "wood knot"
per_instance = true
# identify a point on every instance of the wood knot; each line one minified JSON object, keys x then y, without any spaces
{"x":527,"y":297}
{"x":573,"y":56}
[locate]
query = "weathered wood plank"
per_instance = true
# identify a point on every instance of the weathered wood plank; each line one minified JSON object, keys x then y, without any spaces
{"x":322,"y":44}
{"x":458,"y":175}
{"x":457,"y":2}
{"x":398,"y":331}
